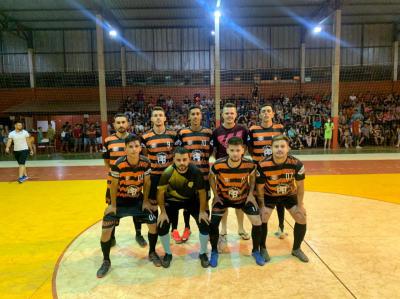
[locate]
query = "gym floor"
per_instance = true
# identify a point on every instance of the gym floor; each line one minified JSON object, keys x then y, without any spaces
{"x":50,"y":238}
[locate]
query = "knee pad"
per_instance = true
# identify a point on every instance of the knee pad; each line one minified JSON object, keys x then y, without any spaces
{"x":251,"y":209}
{"x":109,"y":221}
{"x":203,"y":228}
{"x":163,"y":229}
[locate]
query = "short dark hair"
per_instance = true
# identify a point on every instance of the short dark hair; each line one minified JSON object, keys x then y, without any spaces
{"x":181,"y":150}
{"x":194,"y":107}
{"x":229,"y":105}
{"x":158,"y":108}
{"x":281,"y":137}
{"x":120,"y":115}
{"x":17,"y":122}
{"x":235,"y":141}
{"x":267,"y":104}
{"x":132,"y":138}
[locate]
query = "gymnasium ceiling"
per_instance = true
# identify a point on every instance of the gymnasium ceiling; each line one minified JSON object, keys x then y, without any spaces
{"x":70,"y":14}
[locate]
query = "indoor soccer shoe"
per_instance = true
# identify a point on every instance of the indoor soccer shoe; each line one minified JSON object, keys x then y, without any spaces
{"x":166,"y":261}
{"x":258,"y":257}
{"x":103,"y":269}
{"x":141,"y":241}
{"x":155,"y":259}
{"x":300,"y":255}
{"x":204,"y":260}
{"x":175,"y":235}
{"x":265,"y":255}
{"x":214,"y":259}
{"x":186,"y":234}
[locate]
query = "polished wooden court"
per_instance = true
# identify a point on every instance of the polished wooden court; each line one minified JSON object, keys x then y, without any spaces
{"x":50,"y":239}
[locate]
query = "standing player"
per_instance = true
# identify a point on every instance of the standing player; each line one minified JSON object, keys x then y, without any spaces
{"x":220,"y":138}
{"x":114,"y":148}
{"x":158,"y":144}
{"x":232,"y":180}
{"x":182,"y":186}
{"x":196,"y":139}
{"x":22,"y":149}
{"x":260,"y":142}
{"x":328,"y":128}
{"x":280,"y":179}
{"x":130,"y":186}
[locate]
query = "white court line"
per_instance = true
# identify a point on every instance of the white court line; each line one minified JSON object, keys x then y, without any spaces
{"x":99,"y":162}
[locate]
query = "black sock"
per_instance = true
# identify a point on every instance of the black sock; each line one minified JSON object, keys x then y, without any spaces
{"x":280,"y":209}
{"x":264,"y":233}
{"x":186,"y":218}
{"x":113,"y":233}
{"x":105,"y":247}
{"x":256,"y":237}
{"x":299,"y":233}
{"x":152,"y":241}
{"x":214,"y":236}
{"x":138,"y":227}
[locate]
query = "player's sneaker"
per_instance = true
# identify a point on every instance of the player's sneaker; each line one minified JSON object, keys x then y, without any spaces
{"x":244,"y":235}
{"x":358,"y":147}
{"x":204,"y":260}
{"x":281,"y":234}
{"x":24,"y":178}
{"x":258,"y":257}
{"x":105,"y":266}
{"x":186,"y":234}
{"x":300,"y":255}
{"x":166,"y":261}
{"x":20,"y":180}
{"x":155,"y":259}
{"x":141,"y":241}
{"x":175,"y":235}
{"x":214,"y":259}
{"x":265,"y":255}
{"x":222,"y":243}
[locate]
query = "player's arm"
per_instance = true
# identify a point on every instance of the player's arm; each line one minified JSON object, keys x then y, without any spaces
{"x":260,"y":184}
{"x":9,"y":142}
{"x":213,"y":184}
{"x":146,"y":192}
{"x":161,"y":203}
{"x":114,"y":190}
{"x":252,"y":182}
{"x":107,"y":163}
{"x":28,"y":141}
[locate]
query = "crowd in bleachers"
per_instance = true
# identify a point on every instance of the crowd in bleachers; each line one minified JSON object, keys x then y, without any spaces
{"x":364,"y":119}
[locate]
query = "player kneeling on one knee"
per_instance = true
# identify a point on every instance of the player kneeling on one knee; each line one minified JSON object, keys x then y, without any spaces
{"x":280,"y":180}
{"x":182,"y":186}
{"x":232,"y":180}
{"x":129,"y":191}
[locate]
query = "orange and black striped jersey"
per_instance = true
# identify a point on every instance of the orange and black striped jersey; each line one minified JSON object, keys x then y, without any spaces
{"x":198,"y":143}
{"x":113,"y":148}
{"x":280,"y":179}
{"x":160,"y":148}
{"x":260,"y":140}
{"x":130,"y":179}
{"x":233,"y":184}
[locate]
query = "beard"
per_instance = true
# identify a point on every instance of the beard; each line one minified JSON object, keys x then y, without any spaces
{"x":182,"y":168}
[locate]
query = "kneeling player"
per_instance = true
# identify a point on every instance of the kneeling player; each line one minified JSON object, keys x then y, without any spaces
{"x":182,"y":186}
{"x":232,"y":180}
{"x":130,"y":176}
{"x":280,"y":180}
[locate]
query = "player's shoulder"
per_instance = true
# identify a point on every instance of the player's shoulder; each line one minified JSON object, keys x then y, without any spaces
{"x":266,"y":161}
{"x":120,"y":161}
{"x":293,"y":160}
{"x":207,"y":131}
{"x":248,"y":162}
{"x":170,"y":131}
{"x":277,"y":126}
{"x":221,"y":161}
{"x":112,"y":137}
{"x":147,"y":134}
{"x":185,"y":130}
{"x":194,"y":169}
{"x":144,"y":159}
{"x":254,"y":127}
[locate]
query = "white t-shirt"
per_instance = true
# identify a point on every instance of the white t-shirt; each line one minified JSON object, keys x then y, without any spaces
{"x":19,"y":139}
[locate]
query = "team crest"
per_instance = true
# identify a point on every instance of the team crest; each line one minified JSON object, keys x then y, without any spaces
{"x":282,"y":189}
{"x":190,"y":184}
{"x":133,"y":191}
{"x":196,"y":156}
{"x":153,"y":145}
{"x":161,"y":158}
{"x":267,"y":150}
{"x":226,"y":180}
{"x":260,"y":138}
{"x":274,"y":177}
{"x":190,"y":142}
{"x":234,"y":193}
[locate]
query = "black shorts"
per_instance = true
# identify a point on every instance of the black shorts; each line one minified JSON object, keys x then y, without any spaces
{"x":134,"y":211}
{"x":21,"y":156}
{"x":220,"y":207}
{"x":287,"y":201}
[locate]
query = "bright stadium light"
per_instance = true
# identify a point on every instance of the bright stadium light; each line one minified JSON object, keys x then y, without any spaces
{"x":218,"y":3}
{"x":113,"y":33}
{"x":317,"y":29}
{"x":212,"y":32}
{"x":217,"y":14}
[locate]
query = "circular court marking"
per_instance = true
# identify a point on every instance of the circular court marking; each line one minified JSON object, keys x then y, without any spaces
{"x":342,"y":259}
